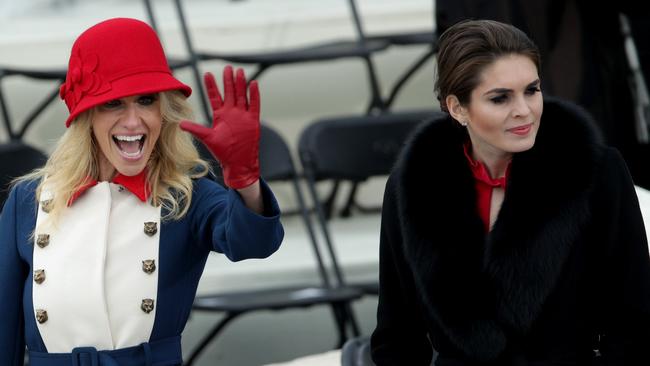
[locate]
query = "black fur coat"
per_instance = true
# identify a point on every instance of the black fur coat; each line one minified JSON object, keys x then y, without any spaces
{"x":564,"y":271}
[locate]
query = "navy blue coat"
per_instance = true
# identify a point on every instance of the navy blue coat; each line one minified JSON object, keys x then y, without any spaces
{"x":217,"y":220}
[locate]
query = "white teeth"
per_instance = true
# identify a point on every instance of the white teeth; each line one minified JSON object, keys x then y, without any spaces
{"x":129,"y":138}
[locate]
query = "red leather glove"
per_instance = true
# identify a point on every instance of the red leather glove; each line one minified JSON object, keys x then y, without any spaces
{"x":235,"y":133}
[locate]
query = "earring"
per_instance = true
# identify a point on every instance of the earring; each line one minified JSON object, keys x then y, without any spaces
{"x":463,"y":123}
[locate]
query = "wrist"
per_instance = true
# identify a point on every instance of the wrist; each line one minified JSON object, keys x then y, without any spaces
{"x":242,"y":175}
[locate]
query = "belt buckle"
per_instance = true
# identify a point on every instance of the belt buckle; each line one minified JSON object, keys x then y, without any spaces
{"x":85,"y":356}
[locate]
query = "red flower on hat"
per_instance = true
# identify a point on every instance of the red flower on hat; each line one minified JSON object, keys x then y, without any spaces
{"x":82,"y":80}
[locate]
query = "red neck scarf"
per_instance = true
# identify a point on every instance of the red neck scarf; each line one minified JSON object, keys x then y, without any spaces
{"x":484,"y":185}
{"x":136,"y":184}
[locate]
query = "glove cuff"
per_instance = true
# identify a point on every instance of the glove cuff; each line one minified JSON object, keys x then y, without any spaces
{"x":241,"y":177}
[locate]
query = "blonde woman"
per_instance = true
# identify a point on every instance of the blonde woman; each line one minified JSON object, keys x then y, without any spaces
{"x":102,"y":249}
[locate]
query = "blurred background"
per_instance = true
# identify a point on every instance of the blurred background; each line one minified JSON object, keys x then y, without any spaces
{"x":325,"y":59}
{"x":37,"y":35}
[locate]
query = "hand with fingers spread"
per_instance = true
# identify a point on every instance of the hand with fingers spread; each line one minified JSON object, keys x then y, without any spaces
{"x":235,"y":133}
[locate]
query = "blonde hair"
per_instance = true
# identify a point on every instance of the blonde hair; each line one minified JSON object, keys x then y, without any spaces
{"x":174,"y":161}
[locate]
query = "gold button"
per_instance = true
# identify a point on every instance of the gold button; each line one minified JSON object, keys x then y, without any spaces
{"x":46,"y":205}
{"x":39,"y":276}
{"x":41,"y":316}
{"x":150,"y":228}
{"x":147,"y":305}
{"x":149,"y":266}
{"x":43,"y":240}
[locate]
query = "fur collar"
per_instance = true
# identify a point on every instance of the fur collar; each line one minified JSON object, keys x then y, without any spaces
{"x":480,"y":288}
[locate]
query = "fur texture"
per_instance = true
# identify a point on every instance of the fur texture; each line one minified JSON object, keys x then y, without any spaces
{"x":500,"y":281}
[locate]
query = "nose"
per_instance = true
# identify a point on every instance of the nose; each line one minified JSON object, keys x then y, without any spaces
{"x":521,"y":107}
{"x":131,"y":118}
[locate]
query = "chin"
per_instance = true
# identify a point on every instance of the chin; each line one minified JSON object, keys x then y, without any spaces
{"x":130,"y":170}
{"x":521,"y":146}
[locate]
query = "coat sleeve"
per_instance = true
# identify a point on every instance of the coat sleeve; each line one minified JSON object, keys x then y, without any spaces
{"x":625,"y":291}
{"x":12,"y":278}
{"x":226,"y":225}
{"x":400,"y":337}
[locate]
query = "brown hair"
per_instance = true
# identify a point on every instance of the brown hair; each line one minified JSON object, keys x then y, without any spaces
{"x":468,"y":47}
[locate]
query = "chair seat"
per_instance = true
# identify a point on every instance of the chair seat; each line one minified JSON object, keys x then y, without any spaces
{"x":322,"y":52}
{"x":275,"y":299}
{"x":369,"y":288}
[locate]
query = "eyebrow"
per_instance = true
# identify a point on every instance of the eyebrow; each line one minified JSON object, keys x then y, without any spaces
{"x":506,"y":90}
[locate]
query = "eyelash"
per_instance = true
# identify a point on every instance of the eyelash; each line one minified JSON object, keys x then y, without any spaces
{"x":145,"y":100}
{"x":112,"y":104}
{"x":150,"y":99}
{"x":503,"y":97}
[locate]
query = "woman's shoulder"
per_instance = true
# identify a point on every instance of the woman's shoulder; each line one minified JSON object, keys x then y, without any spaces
{"x":25,"y":188}
{"x":21,"y":194}
{"x":206,"y":186}
{"x":206,"y":182}
{"x":436,"y":134}
{"x":568,"y":124}
{"x":433,"y":143}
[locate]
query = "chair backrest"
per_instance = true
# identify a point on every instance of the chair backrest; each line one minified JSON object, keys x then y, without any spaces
{"x":358,"y":147}
{"x":276,"y":165}
{"x":354,"y":149}
{"x":16,"y":159}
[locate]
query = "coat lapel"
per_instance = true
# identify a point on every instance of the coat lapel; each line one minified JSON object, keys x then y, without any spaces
{"x":478,"y":287}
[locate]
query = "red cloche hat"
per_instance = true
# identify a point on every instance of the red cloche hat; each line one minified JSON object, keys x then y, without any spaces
{"x":114,"y":59}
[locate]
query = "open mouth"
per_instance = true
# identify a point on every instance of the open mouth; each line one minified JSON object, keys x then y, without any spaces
{"x":130,"y":146}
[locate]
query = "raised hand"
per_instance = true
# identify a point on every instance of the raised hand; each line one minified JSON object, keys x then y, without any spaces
{"x":235,"y":133}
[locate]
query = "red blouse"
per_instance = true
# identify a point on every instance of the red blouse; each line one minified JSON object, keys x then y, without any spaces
{"x":484,"y":185}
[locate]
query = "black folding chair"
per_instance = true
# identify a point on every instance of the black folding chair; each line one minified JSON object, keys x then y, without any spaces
{"x":277,"y":165}
{"x":353,"y":149}
{"x":327,"y":51}
{"x":426,"y":37}
{"x":16,"y":159}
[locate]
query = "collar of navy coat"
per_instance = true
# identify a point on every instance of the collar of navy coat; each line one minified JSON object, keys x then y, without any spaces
{"x":136,"y":184}
{"x":479,"y":288}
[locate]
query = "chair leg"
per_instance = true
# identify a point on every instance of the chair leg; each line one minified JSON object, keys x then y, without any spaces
{"x":328,"y":205}
{"x":208,"y":338}
{"x":352,"y":203}
{"x":352,"y":319}
{"x":340,"y":324}
{"x":347,"y":209}
{"x":407,"y":75}
{"x":344,"y":318}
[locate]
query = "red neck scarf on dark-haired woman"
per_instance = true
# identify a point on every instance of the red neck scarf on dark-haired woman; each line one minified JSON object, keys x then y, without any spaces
{"x":484,"y":185}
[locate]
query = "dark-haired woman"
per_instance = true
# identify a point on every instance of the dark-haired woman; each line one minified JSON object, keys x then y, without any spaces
{"x":511,"y":235}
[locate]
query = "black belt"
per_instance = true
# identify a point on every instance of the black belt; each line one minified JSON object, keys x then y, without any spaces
{"x":164,"y":352}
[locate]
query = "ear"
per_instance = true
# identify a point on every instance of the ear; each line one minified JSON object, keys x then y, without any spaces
{"x":457,"y":111}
